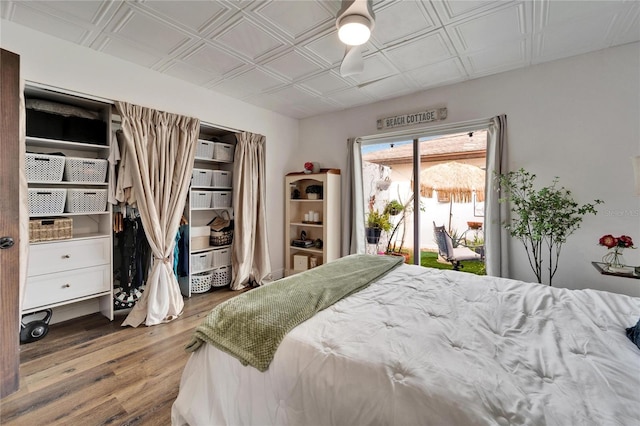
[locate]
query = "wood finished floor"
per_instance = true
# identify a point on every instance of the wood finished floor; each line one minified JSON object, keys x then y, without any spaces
{"x":90,"y":371}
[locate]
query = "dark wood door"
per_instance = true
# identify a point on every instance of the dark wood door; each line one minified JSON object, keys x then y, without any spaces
{"x":9,"y":222}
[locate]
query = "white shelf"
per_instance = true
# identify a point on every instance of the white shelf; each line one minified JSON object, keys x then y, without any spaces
{"x":67,"y":183}
{"x":212,"y":161}
{"x":309,"y":250}
{"x":210,"y":248}
{"x":213,"y":188}
{"x":55,"y":143}
{"x":87,"y":236}
{"x":69,"y":214}
{"x":311,"y":225}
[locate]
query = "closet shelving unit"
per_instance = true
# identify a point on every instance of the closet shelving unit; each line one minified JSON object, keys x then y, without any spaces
{"x":66,"y":271}
{"x":218,"y":165}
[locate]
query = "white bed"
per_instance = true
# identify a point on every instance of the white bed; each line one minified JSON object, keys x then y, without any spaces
{"x":429,"y":347}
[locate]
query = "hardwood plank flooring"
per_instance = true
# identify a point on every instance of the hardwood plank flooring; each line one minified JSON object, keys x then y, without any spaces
{"x":91,"y":371}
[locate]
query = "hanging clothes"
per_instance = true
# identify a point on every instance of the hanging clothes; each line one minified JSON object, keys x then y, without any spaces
{"x":134,"y":259}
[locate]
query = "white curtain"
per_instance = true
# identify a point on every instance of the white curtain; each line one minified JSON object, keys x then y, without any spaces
{"x":353,"y":238}
{"x":250,"y":260}
{"x":496,"y":237}
{"x":162,"y":148}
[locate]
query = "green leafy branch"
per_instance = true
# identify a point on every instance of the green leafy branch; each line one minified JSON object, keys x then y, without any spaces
{"x":541,"y":219}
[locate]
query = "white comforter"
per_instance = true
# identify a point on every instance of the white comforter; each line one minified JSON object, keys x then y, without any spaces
{"x":429,"y":347}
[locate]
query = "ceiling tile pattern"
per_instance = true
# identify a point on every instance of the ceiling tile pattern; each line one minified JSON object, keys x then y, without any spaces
{"x":284,"y":55}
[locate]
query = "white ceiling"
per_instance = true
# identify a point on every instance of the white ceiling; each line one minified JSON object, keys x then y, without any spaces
{"x":284,"y":55}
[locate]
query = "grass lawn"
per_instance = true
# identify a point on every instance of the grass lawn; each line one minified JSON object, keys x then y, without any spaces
{"x":430,"y":260}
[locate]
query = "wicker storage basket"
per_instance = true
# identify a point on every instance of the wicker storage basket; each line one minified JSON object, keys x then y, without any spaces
{"x":50,"y":229}
{"x":223,"y":151}
{"x":77,"y":169}
{"x":220,"y":238}
{"x":221,"y":179}
{"x":221,"y":276}
{"x":201,"y":283}
{"x":201,"y":261}
{"x":220,"y":199}
{"x":46,"y":201}
{"x":201,"y":177}
{"x":44,"y":168}
{"x":221,"y":257}
{"x":200,"y":199}
{"x":204,"y":149}
{"x":86,"y":200}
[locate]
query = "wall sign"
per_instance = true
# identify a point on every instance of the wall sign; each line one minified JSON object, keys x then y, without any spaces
{"x":410,"y":119}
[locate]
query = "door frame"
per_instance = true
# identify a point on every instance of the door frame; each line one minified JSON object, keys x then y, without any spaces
{"x":10,"y":222}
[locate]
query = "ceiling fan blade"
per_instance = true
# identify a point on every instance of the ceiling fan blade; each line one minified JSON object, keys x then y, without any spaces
{"x":360,"y":86}
{"x":352,"y":63}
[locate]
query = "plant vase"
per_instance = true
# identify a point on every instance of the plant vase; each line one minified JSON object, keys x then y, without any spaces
{"x":373,"y":235}
{"x":613,"y":259}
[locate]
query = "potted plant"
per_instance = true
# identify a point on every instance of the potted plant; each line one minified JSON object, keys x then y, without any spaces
{"x":541,"y":219}
{"x":376,"y":223}
{"x":314,"y":192}
{"x":393,"y":208}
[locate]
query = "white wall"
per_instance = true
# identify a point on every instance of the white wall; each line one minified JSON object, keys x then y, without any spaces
{"x":55,"y":62}
{"x":576,"y":118}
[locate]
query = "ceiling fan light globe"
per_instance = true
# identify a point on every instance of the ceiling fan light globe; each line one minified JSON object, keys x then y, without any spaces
{"x":354,"y":30}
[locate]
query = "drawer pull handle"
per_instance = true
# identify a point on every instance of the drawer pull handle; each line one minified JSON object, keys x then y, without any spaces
{"x":66,"y":285}
{"x":66,"y":256}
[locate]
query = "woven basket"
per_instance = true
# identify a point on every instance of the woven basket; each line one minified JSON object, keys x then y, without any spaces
{"x":50,"y":229}
{"x":201,"y":283}
{"x":221,"y":277}
{"x":221,"y":238}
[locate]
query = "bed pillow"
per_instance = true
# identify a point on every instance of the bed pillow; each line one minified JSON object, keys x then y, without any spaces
{"x":633,"y":333}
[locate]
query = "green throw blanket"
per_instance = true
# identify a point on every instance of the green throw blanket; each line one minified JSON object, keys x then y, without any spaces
{"x":251,"y":326}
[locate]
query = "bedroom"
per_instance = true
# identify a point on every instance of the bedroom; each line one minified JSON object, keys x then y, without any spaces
{"x":575,"y":117}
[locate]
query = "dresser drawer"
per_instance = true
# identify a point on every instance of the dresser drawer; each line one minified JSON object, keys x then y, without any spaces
{"x":59,"y":287}
{"x":65,"y":255}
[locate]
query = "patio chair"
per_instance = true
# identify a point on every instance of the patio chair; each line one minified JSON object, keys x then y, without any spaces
{"x":448,"y":252}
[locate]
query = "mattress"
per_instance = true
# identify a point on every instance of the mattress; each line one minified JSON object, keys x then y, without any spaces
{"x":426,"y":346}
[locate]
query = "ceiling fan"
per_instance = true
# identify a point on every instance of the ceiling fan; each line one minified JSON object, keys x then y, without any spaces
{"x":355,"y":21}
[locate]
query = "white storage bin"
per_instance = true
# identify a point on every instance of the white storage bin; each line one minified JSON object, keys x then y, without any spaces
{"x":199,"y":237}
{"x":221,"y":179}
{"x":201,"y":177}
{"x":44,"y":168}
{"x":200,"y":199}
{"x":221,"y":276}
{"x":46,"y":201}
{"x":204,"y":149}
{"x":77,"y":169}
{"x":223,"y":151}
{"x":220,"y":199}
{"x":201,"y":261}
{"x":86,"y":200}
{"x":221,"y":257}
{"x":201,"y":283}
